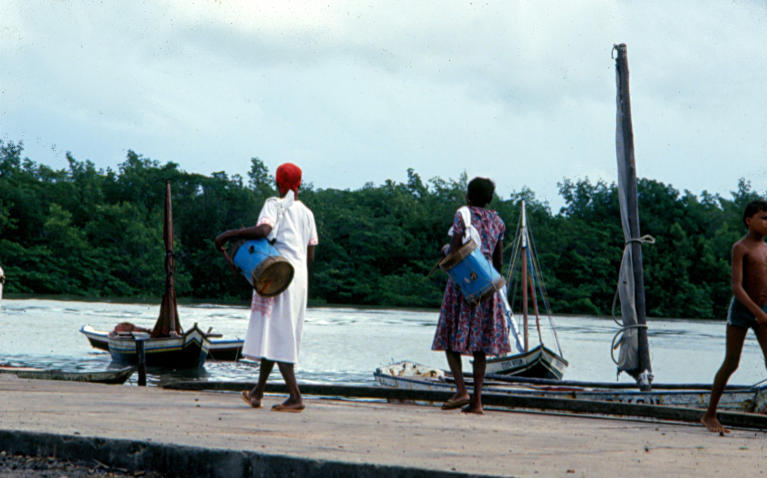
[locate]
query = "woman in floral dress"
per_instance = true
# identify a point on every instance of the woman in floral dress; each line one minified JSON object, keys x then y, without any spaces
{"x":468,"y":329}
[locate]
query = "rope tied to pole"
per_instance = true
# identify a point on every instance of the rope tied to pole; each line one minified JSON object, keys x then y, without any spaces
{"x":646,"y":239}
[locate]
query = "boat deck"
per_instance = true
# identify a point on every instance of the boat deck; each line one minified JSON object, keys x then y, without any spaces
{"x":498,"y":443}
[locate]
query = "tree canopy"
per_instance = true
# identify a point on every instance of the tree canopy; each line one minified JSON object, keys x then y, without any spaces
{"x":98,"y":233}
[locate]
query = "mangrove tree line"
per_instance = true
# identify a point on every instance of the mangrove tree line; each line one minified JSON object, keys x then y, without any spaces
{"x":98,"y":233}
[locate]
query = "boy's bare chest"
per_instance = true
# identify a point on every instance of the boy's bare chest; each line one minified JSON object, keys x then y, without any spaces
{"x":755,"y":262}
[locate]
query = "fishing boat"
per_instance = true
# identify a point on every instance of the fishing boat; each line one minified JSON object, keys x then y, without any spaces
{"x":118,"y":376}
{"x":539,"y":361}
{"x":412,"y":376}
{"x":167,"y":345}
{"x":220,"y":350}
{"x":187,"y":350}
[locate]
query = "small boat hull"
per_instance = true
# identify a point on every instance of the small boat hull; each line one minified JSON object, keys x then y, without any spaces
{"x":412,"y":376}
{"x":119,"y":376}
{"x":184,"y":352}
{"x":220,"y":350}
{"x":539,"y":362}
{"x":225,"y":350}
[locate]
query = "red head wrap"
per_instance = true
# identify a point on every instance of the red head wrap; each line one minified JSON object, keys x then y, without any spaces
{"x":288,"y":178}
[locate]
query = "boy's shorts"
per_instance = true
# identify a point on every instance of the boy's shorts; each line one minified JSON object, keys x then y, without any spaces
{"x":739,"y":315}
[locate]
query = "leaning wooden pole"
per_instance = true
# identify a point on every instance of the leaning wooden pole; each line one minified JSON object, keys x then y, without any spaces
{"x":644,"y":371}
{"x":523,"y":234}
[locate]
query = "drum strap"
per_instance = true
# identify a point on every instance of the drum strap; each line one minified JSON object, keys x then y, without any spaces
{"x":282,"y":206}
{"x":470,"y":232}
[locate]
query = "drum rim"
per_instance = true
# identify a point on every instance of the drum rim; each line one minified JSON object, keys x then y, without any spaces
{"x":266,"y":263}
{"x":455,"y":258}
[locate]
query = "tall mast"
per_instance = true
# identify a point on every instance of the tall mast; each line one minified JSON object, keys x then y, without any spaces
{"x":168,"y":322}
{"x":523,"y":234}
{"x":625,"y":138}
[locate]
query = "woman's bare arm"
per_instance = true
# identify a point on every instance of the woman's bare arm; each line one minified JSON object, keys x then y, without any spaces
{"x":498,"y":256}
{"x":255,"y":232}
{"x":455,"y":243}
{"x":309,"y":254}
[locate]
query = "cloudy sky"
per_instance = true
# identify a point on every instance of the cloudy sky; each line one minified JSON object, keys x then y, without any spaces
{"x":354,"y":92}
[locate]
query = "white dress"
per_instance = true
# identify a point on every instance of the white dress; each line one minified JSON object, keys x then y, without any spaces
{"x":276,"y":323}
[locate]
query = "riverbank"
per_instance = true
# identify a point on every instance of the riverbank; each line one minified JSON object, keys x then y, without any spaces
{"x":369,"y":436}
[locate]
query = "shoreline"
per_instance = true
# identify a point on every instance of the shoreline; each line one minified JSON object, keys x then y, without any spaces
{"x":188,"y":301}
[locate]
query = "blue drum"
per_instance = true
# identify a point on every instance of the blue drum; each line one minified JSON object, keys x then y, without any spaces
{"x":472,"y":273}
{"x":262,"y":265}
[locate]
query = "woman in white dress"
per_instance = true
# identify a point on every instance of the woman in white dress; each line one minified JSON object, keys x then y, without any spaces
{"x":276,"y":323}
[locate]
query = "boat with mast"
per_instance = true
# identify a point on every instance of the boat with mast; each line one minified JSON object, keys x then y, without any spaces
{"x":539,"y":361}
{"x":167,"y":345}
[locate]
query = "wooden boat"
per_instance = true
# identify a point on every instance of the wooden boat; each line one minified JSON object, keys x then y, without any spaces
{"x":220,"y":350}
{"x":413,"y":376}
{"x":167,"y":345}
{"x":118,"y":376}
{"x":187,"y":350}
{"x":539,"y":361}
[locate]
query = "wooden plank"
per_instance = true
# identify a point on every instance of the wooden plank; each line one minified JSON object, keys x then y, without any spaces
{"x":659,"y":412}
{"x":606,"y":385}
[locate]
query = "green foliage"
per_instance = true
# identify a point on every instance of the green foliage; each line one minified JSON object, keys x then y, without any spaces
{"x":86,"y":231}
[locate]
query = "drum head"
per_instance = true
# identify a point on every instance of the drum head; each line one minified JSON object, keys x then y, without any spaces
{"x":272,"y":276}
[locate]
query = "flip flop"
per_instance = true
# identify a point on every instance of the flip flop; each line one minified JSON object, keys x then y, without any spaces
{"x":451,"y":404}
{"x":468,"y":410}
{"x":245,"y":396}
{"x":279,"y":408}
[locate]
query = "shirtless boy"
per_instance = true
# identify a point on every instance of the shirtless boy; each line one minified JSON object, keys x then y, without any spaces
{"x":749,"y":306}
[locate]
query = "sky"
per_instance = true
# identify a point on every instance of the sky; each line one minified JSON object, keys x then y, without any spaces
{"x":357,"y":92}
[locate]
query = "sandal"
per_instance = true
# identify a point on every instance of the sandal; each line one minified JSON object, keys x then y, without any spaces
{"x":451,"y":404}
{"x":245,"y":396}
{"x":281,"y":408}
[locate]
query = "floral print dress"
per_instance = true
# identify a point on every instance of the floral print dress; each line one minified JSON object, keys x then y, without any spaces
{"x":466,"y":328}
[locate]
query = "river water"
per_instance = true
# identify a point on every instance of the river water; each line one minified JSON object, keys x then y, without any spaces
{"x":346,"y":345}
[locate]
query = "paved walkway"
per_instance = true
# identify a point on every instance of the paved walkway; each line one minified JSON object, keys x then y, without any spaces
{"x":498,"y":443}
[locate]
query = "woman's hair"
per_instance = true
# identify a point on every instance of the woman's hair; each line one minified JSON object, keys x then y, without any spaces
{"x":752,"y":208}
{"x":480,"y":191}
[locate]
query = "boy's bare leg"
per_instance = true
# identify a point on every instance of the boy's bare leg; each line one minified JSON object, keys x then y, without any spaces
{"x":264,"y":370}
{"x":456,"y":367}
{"x":735,"y":338}
{"x":289,"y":375}
{"x":480,"y":364}
{"x":761,"y":337}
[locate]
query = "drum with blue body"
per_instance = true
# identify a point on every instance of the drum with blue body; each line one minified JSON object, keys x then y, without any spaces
{"x":472,"y":273}
{"x":262,"y":265}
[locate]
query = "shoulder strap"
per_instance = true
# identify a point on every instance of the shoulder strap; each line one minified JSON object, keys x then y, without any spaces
{"x":469,"y":231}
{"x":283,"y":205}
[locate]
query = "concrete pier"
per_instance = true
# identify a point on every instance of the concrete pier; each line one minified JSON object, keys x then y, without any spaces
{"x":219,"y":435}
